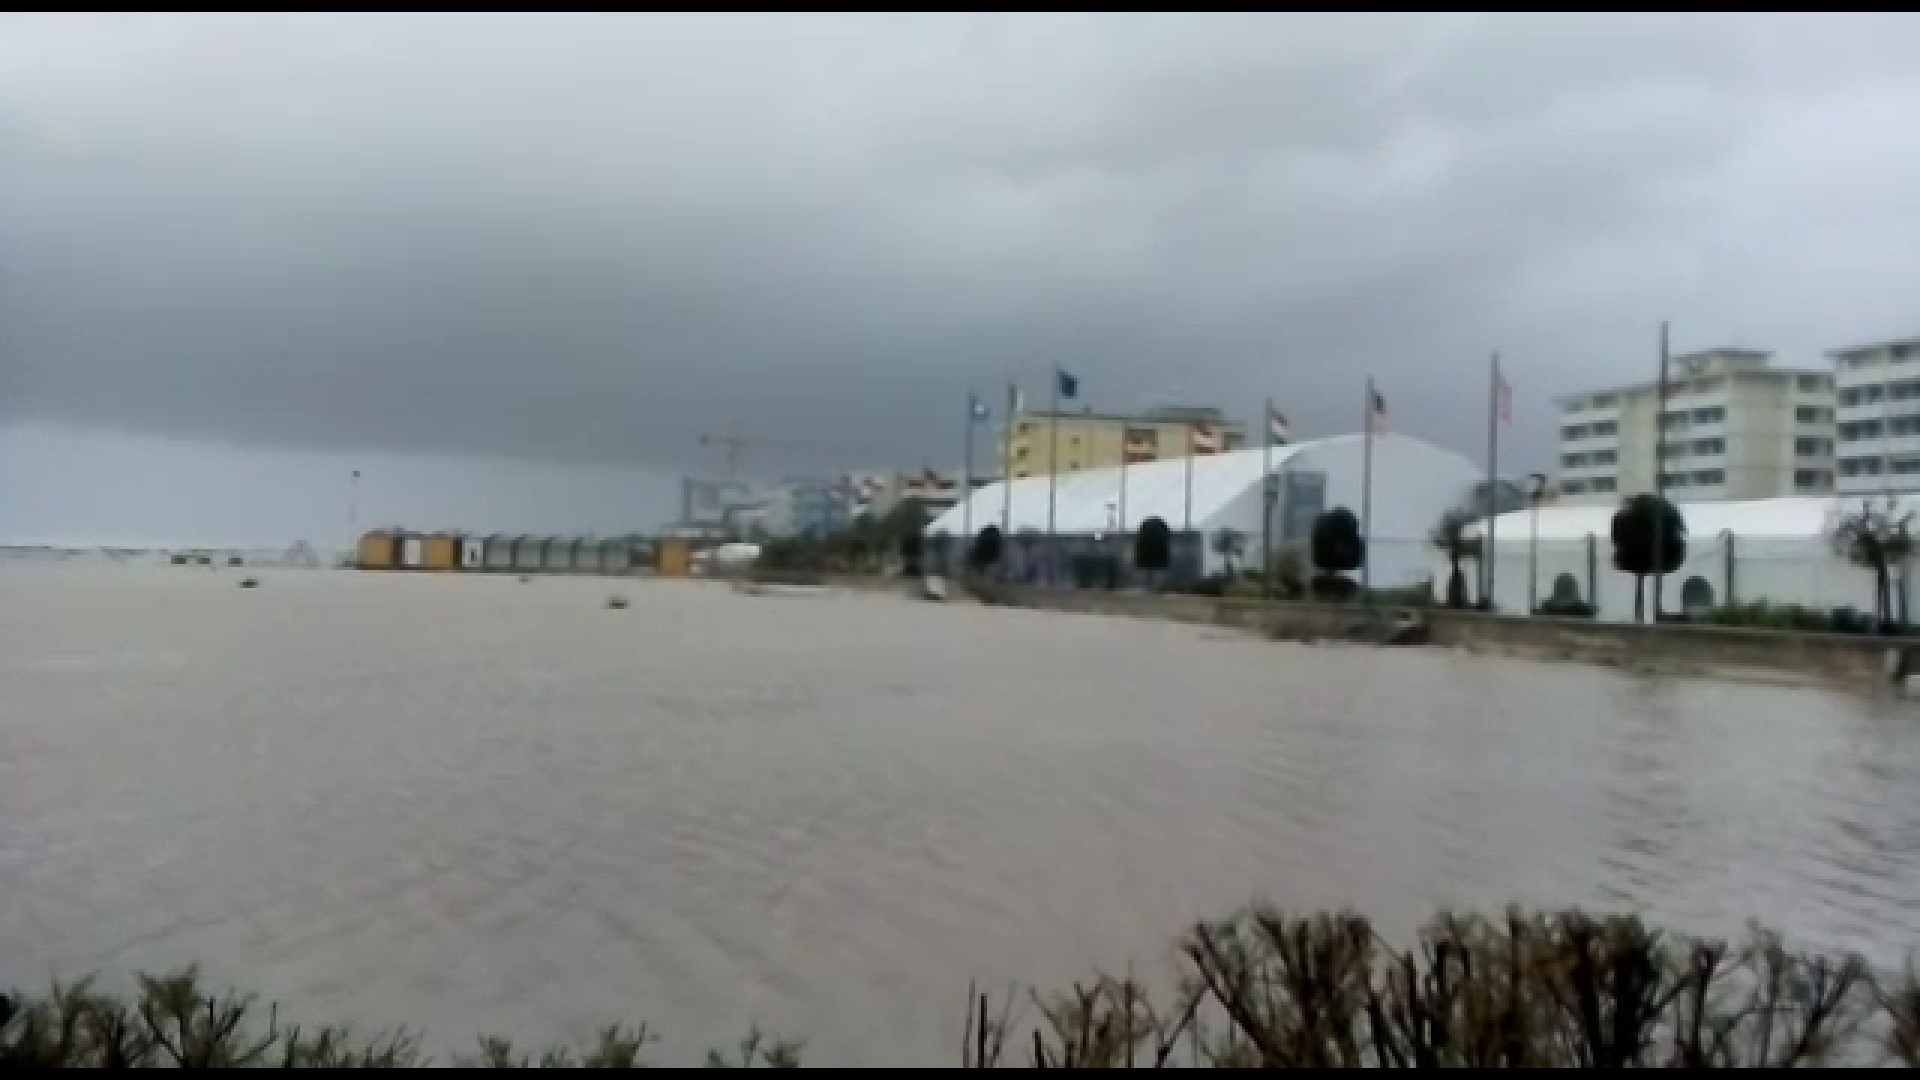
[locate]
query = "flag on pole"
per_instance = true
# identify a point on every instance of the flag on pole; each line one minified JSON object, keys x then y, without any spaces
{"x":1141,"y":444}
{"x":1277,"y":431}
{"x":1068,"y":385}
{"x":1502,"y":395}
{"x":1376,"y":410}
{"x":977,"y":410}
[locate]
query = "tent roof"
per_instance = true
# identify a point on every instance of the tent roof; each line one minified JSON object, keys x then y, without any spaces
{"x":1791,"y":517}
{"x":1154,"y":489}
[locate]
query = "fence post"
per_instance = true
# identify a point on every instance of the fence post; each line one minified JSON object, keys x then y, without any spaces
{"x":1733,"y":596}
{"x":1593,"y":574}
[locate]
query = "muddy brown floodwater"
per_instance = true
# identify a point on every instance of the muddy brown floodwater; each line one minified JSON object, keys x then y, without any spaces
{"x":475,"y":804}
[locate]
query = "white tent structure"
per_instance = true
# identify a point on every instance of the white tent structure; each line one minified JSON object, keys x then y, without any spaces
{"x":1414,"y":483}
{"x":1777,"y":550}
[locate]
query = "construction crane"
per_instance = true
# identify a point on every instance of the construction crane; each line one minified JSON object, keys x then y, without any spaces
{"x":736,"y":448}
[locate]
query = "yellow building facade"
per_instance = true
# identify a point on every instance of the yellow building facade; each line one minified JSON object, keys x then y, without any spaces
{"x":1090,"y":440}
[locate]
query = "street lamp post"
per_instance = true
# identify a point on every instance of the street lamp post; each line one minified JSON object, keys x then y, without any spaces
{"x":353,"y":515}
{"x":1533,"y":541}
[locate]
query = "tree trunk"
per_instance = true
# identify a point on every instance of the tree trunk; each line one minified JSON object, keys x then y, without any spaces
{"x":1639,"y":599}
{"x":1882,"y":598}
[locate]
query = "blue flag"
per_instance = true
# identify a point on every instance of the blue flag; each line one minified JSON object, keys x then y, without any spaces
{"x":1069,"y":386}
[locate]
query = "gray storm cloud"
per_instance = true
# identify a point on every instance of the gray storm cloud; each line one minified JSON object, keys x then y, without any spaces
{"x":592,"y":238}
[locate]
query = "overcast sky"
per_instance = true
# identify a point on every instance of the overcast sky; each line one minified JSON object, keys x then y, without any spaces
{"x":580,"y":242}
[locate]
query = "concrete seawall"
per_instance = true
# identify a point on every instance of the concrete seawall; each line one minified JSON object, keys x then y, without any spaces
{"x":1862,"y":662}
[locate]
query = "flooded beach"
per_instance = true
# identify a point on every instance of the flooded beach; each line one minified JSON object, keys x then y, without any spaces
{"x":474,"y":804}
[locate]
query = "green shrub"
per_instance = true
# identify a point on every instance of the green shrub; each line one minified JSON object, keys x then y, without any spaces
{"x":1767,"y":616}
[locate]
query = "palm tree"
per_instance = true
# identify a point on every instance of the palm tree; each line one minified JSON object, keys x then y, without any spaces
{"x":1228,"y":544}
{"x":1876,"y":539}
{"x":1450,"y":536}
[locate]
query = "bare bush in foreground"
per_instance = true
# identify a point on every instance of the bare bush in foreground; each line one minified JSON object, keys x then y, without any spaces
{"x":1259,"y":990}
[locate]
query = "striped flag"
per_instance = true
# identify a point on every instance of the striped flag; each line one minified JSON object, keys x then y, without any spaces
{"x":1277,"y":431}
{"x":1142,"y":444}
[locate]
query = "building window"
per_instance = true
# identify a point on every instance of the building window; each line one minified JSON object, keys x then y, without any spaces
{"x":1573,"y":461}
{"x":1709,"y":447}
{"x":1603,"y":484}
{"x":1812,"y":479}
{"x":1605,"y":428}
{"x":1674,"y":421}
{"x":1904,"y":466}
{"x":1860,"y":466}
{"x":1857,"y":430}
{"x":1811,"y":383}
{"x":1713,"y":415}
{"x":1574,"y":433}
{"x":1603,"y":401}
{"x":1811,"y":414}
{"x":1573,"y":487}
{"x":1604,"y":457}
{"x":1709,"y":478}
{"x":1674,"y":480}
{"x":1812,"y":447}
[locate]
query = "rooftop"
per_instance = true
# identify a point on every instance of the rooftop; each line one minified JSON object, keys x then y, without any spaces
{"x":1165,"y":415}
{"x":1744,"y":362}
{"x":1859,"y":350}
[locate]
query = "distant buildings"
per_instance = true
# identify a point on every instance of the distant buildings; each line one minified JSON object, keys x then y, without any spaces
{"x":1091,"y":440}
{"x":1877,"y":409}
{"x":1735,"y":428}
{"x":815,"y":506}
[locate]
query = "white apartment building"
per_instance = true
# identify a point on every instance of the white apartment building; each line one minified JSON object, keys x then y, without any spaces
{"x":1877,"y":399}
{"x":1736,"y":428}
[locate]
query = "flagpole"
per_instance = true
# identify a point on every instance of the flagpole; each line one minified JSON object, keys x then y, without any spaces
{"x":1266,"y":501}
{"x":1187,"y":520}
{"x":1366,"y":497}
{"x":1489,"y":552}
{"x":966,"y":491}
{"x":1660,"y":469}
{"x":1006,"y":467}
{"x":1053,"y":469}
{"x":1126,"y":431}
